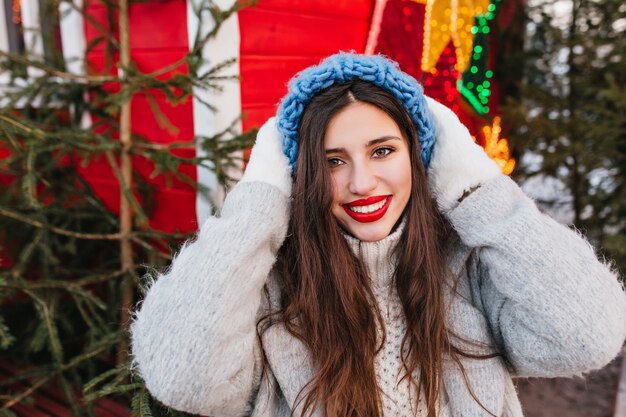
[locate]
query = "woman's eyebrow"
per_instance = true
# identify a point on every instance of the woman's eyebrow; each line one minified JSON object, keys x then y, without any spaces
{"x":381,"y":139}
{"x":368,"y":144}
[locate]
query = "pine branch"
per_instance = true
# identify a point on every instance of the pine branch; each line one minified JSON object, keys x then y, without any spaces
{"x":27,"y":392}
{"x":127,"y":194}
{"x":49,"y":374}
{"x":69,"y":394}
{"x":141,"y":403}
{"x":22,"y":285}
{"x":53,"y":72}
{"x":39,"y":134}
{"x":88,"y":236}
{"x":46,"y":314}
{"x":91,"y":318}
{"x":117,"y":389}
{"x":6,"y":338}
{"x":79,"y":235}
{"x":89,"y":386}
{"x":106,"y":33}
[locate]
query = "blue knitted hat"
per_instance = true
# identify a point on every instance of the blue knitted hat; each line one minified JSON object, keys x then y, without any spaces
{"x":345,"y":67}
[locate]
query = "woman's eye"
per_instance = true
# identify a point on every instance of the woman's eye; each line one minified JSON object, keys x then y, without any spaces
{"x":333,"y":162}
{"x":382,"y":152}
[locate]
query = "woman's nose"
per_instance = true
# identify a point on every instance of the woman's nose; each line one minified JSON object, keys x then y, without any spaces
{"x":363,"y":179}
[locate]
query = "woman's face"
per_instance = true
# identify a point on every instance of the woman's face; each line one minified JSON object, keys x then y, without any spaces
{"x":370,"y":166}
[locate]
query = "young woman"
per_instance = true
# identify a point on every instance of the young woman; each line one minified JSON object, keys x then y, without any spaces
{"x":373,"y":261}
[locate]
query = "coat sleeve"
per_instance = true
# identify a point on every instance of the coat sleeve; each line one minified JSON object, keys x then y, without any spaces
{"x":553,"y":307}
{"x":194,"y":336}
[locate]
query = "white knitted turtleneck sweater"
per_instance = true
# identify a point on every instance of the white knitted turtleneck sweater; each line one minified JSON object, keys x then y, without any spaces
{"x":379,"y":260}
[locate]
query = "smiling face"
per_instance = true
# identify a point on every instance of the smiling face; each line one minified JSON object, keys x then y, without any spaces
{"x":370,"y":167}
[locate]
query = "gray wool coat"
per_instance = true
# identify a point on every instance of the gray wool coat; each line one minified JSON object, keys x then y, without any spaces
{"x":529,"y":287}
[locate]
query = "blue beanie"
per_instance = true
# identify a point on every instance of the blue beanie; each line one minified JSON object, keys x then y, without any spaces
{"x":344,"y":67}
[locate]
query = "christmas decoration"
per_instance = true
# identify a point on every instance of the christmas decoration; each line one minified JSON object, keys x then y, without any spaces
{"x":447,"y":46}
{"x":475,"y":83}
{"x":497,"y":147}
{"x":450,"y":20}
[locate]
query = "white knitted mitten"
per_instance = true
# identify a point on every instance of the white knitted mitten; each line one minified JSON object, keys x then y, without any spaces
{"x":267,"y":162}
{"x":457,"y":164}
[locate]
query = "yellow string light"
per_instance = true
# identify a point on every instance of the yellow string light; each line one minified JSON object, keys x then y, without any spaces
{"x":17,"y":12}
{"x":498,"y":148}
{"x":447,"y":20}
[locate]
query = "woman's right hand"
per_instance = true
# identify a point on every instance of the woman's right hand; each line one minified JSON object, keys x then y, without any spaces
{"x":267,"y":162}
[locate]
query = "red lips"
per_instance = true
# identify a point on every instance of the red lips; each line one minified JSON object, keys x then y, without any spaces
{"x":368,"y":217}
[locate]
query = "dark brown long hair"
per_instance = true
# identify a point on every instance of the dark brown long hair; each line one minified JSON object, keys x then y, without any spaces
{"x":327,"y":301}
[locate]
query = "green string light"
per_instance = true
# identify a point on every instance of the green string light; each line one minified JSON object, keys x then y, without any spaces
{"x":474,"y":84}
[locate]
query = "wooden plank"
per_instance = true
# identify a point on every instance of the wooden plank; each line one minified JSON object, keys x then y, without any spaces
{"x":349,"y":9}
{"x":48,"y":401}
{"x":145,"y":123}
{"x":176,"y":211}
{"x":287,"y":33}
{"x":107,"y":408}
{"x":158,"y":24}
{"x":26,"y":411}
{"x":264,"y":78}
{"x":52,"y":407}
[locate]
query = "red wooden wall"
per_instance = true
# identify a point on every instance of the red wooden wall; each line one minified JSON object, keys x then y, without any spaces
{"x":158,"y":37}
{"x":281,"y":37}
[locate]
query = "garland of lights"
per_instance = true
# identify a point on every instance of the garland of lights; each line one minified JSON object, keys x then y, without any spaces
{"x":496,"y":147}
{"x":475,"y":84}
{"x":453,"y":60}
{"x":447,"y":20}
{"x":17,"y":12}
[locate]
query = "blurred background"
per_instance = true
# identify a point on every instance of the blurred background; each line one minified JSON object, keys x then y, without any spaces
{"x":123,"y":124}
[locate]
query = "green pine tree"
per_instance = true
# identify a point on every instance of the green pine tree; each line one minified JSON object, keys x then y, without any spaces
{"x":72,"y":269}
{"x":569,"y":120}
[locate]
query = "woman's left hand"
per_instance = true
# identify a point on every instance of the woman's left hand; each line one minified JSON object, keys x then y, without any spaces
{"x":458,"y":165}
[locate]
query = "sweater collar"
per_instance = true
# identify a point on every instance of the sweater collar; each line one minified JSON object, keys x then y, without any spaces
{"x":378,"y":257}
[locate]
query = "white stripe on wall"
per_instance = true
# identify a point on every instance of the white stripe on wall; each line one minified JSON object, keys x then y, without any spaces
{"x":31,"y":25}
{"x":73,"y":36}
{"x":206,"y":122}
{"x":4,"y":34}
{"x":74,"y":43}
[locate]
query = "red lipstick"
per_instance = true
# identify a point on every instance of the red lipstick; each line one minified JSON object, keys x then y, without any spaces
{"x":368,"y":217}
